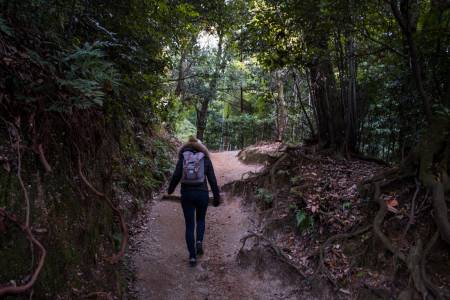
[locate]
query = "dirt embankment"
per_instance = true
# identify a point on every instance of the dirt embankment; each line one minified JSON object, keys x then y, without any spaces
{"x":317,"y":214}
{"x":260,"y":153}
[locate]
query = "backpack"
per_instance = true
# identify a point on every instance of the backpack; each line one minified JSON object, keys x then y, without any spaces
{"x":193,"y":168}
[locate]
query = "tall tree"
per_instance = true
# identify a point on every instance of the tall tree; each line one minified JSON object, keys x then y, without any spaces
{"x":280,"y":104}
{"x":219,"y":66}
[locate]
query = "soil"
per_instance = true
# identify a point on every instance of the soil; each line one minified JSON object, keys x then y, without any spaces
{"x":161,"y":258}
{"x":260,"y":153}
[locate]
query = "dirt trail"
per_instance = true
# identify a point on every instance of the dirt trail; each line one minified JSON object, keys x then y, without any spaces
{"x":161,"y":264}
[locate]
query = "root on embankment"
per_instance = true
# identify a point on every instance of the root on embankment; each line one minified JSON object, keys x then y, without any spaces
{"x":424,"y":173}
{"x":123,"y":225}
{"x":431,"y":163}
{"x":25,"y":226}
{"x":280,"y":254}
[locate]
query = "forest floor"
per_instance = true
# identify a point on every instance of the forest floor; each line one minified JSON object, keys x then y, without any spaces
{"x":160,"y":257}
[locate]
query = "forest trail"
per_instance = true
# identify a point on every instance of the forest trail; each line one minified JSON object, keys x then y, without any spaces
{"x":161,"y":264}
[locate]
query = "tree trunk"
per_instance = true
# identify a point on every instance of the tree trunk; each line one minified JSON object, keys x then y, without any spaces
{"x":241,"y":100}
{"x":281,"y":118}
{"x":179,"y":90}
{"x":433,"y":153}
{"x":351,"y":131}
{"x":202,"y":115}
{"x":404,"y":20}
{"x":298,"y":95}
{"x":328,"y":107}
{"x":202,"y":111}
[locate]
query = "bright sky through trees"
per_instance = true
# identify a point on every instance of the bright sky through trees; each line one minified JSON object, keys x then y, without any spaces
{"x":207,"y":40}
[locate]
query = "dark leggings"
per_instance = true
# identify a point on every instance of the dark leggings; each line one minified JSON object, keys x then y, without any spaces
{"x":194,"y":205}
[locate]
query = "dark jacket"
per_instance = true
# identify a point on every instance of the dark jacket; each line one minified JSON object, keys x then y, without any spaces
{"x":209,"y":172}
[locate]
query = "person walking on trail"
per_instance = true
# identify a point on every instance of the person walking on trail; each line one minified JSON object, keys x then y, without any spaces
{"x":193,"y":168}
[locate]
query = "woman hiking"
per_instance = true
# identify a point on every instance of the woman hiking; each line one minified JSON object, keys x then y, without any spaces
{"x":193,"y":168}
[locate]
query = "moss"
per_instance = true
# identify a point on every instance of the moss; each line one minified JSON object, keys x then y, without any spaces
{"x":433,"y":144}
{"x":15,"y":254}
{"x":81,"y":229}
{"x":148,"y":160}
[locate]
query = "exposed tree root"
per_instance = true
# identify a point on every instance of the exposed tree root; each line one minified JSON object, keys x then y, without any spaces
{"x":378,"y":221}
{"x":300,"y":151}
{"x":278,"y":251}
{"x":436,"y":291}
{"x":434,"y":164}
{"x":177,"y":198}
{"x":43,"y":159}
{"x":329,"y":241}
{"x":411,"y":218}
{"x":370,"y":159}
{"x":37,"y":147}
{"x":441,"y":210}
{"x":416,"y":258}
{"x":99,"y":295}
{"x":26,"y":226}
{"x":123,"y":225}
{"x":392,"y":172}
{"x":274,"y":167}
{"x":413,"y":263}
{"x":23,"y":288}
{"x":248,"y":174}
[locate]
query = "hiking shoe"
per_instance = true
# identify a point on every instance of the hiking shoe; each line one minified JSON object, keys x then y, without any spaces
{"x":199,"y":248}
{"x":192,"y":262}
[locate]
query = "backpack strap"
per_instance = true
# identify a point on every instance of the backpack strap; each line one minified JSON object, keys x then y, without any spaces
{"x":197,"y":158}
{"x":187,"y":155}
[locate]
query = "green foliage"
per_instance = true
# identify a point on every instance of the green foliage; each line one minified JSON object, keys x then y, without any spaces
{"x":90,"y":77}
{"x":184,"y":129}
{"x":303,"y":220}
{"x":264,"y":195}
{"x":144,"y":170}
{"x":442,"y":111}
{"x":163,"y":162}
{"x":240,"y":130}
{"x":295,"y":179}
{"x":114,"y":65}
{"x":5,"y":28}
{"x":84,"y":76}
{"x":346,"y":205}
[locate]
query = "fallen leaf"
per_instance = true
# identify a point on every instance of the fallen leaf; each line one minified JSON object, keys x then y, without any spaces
{"x":391,"y":203}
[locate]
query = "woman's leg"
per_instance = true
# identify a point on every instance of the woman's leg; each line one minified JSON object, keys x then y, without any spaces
{"x":189,"y":218}
{"x":201,"y":207}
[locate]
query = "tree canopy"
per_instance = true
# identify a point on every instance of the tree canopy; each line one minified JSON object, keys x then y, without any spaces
{"x":93,"y":95}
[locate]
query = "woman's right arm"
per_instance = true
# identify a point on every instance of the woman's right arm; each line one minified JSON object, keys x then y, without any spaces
{"x":213,"y":182}
{"x":176,"y":176}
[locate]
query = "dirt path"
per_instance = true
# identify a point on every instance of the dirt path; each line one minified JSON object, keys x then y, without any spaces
{"x":161,"y":264}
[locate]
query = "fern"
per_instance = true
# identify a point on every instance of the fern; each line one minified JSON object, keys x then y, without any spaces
{"x":264,"y":195}
{"x":303,"y":220}
{"x":5,"y":28}
{"x":89,"y":75}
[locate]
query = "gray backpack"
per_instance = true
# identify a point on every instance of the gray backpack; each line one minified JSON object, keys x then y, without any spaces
{"x":193,"y":168}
